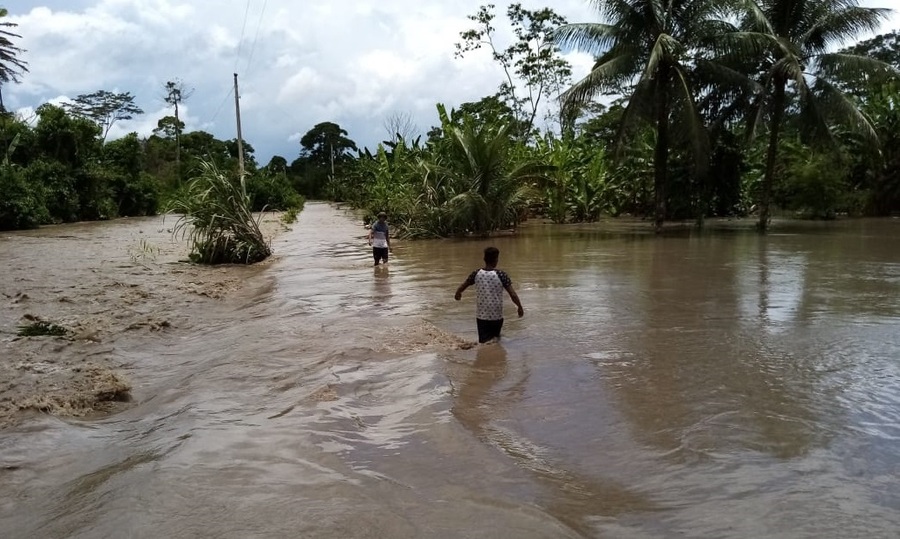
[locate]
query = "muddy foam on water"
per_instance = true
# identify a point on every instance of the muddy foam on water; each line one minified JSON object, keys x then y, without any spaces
{"x":108,"y":285}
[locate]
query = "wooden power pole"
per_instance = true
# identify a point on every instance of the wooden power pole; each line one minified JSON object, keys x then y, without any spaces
{"x":237,"y":110}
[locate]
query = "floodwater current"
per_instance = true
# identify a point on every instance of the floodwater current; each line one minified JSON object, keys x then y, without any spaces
{"x":715,"y":384}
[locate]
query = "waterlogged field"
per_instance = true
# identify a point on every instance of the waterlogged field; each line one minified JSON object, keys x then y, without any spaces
{"x":692,"y":385}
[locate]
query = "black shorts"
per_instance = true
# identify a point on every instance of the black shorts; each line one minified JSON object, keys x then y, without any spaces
{"x":380,"y":253}
{"x":488,"y":329}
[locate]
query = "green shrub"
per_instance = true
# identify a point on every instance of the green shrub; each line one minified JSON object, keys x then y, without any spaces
{"x":135,"y":195}
{"x":41,"y":328}
{"x":21,"y":204}
{"x":217,"y":219}
{"x":272,"y":192}
{"x":815,"y":185}
{"x":58,"y":190}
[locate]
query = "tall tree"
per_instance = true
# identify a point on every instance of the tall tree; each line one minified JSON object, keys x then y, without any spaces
{"x":400,"y":125}
{"x":326,"y":144}
{"x":533,"y":67}
{"x":104,"y":108}
{"x":324,"y":151}
{"x":644,"y":48}
{"x":167,"y":127}
{"x":11,"y":67}
{"x":176,"y":93}
{"x":792,"y":39}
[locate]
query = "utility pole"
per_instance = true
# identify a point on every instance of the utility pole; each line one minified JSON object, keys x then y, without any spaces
{"x":237,"y":110}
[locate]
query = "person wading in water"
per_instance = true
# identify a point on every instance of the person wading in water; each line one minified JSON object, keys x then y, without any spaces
{"x":489,"y":286}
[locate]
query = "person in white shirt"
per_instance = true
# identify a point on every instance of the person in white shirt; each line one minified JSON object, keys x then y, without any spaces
{"x":380,"y":239}
{"x":489,"y":286}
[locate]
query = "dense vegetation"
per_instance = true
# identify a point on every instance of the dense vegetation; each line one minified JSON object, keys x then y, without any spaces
{"x":59,"y":169}
{"x":693,"y":109}
{"x":667,"y":125}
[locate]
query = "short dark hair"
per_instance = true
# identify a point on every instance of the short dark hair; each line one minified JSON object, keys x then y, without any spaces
{"x":491,"y":255}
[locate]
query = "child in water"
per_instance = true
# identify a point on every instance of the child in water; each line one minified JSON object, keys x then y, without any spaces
{"x":380,"y":239}
{"x":489,"y":286}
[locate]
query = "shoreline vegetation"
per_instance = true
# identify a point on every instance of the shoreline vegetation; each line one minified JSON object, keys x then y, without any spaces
{"x":765,"y":115}
{"x":69,"y":323}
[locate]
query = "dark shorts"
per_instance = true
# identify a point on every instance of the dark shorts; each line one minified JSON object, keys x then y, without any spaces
{"x":380,"y":253}
{"x":488,"y":329}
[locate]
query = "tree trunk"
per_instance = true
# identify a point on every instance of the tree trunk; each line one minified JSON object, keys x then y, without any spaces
{"x":661,"y":152}
{"x":771,"y":153}
{"x":177,"y":147}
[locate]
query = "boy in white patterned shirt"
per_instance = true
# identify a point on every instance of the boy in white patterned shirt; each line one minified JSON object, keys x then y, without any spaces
{"x":489,"y":286}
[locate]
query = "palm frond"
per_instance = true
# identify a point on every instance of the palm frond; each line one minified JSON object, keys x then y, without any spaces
{"x":609,"y":72}
{"x":691,"y":122}
{"x":592,"y":38}
{"x":843,"y":66}
{"x":838,"y":25}
{"x":843,"y":110}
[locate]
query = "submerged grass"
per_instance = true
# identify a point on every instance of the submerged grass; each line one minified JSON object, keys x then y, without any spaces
{"x":41,"y":328}
{"x":290,"y":215}
{"x":217,"y":220}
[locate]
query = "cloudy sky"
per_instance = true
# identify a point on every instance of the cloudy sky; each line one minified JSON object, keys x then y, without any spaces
{"x":353,"y":62}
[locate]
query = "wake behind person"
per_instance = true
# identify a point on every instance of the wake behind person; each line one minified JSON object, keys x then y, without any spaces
{"x":489,"y":286}
{"x":380,"y":238}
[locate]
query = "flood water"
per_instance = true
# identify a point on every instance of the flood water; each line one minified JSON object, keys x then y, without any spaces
{"x":719,"y":384}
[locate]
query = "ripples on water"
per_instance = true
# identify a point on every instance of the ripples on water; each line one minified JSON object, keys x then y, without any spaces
{"x":695,"y":385}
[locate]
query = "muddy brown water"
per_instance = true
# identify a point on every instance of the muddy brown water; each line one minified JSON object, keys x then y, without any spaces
{"x":693,"y":385}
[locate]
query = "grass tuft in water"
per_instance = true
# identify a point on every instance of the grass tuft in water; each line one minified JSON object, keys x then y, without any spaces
{"x":217,"y":221}
{"x":42,"y":328}
{"x":290,"y":215}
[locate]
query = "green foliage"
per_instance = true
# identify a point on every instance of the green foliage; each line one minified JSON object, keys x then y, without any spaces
{"x":472,"y":178}
{"x":290,"y":215}
{"x":535,"y":71}
{"x":647,"y":51}
{"x":682,"y":76}
{"x":42,"y":328}
{"x":814,"y":184}
{"x":60,"y":169}
{"x":11,"y":66}
{"x":798,"y":74}
{"x":272,"y":191}
{"x":104,"y":108}
{"x":217,"y":219}
{"x":576,"y":185}
{"x":21,"y":205}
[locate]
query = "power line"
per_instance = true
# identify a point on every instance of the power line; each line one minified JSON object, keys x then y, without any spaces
{"x":256,"y":36}
{"x":222,"y":104}
{"x":237,"y":59}
{"x":241,"y":40}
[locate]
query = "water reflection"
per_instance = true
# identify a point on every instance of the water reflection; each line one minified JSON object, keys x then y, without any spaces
{"x":484,"y":403}
{"x":381,"y":284}
{"x":703,"y":381}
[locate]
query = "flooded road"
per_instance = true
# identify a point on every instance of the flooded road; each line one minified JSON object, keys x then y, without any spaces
{"x":693,"y":385}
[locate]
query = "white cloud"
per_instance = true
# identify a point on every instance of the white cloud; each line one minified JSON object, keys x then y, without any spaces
{"x":349,"y":61}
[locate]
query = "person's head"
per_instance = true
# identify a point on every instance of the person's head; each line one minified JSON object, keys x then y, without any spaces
{"x":491,"y":256}
{"x":382,"y":216}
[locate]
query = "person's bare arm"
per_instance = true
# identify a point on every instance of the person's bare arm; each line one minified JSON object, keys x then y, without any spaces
{"x":371,"y":234}
{"x":461,"y":289}
{"x":515,"y":299}
{"x":387,"y":238}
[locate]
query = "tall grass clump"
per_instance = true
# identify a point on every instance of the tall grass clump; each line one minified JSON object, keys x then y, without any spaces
{"x":216,"y":219}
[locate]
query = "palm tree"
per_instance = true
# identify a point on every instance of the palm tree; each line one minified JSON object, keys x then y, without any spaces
{"x":488,"y":187}
{"x":792,"y":38}
{"x":646,"y":45}
{"x":10,"y":66}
